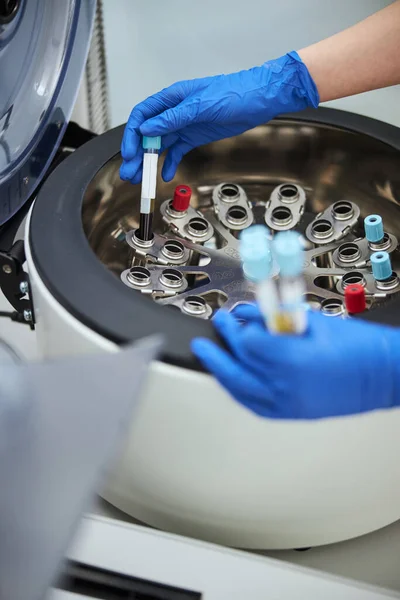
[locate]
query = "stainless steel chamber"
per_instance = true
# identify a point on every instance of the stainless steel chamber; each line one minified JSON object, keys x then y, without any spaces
{"x":315,"y":178}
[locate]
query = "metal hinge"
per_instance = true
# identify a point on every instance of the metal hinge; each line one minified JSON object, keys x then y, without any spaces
{"x":15,"y":285}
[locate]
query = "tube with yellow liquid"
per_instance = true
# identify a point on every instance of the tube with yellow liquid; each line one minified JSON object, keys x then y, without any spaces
{"x":281,"y":302}
{"x":288,"y":252}
{"x":255,"y":251}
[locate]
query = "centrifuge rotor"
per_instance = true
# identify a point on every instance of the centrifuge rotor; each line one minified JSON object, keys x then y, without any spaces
{"x":194,"y":264}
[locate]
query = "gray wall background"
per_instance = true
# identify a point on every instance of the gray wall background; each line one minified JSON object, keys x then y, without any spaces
{"x":151,"y":44}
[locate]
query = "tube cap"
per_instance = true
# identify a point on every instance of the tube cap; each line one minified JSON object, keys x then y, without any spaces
{"x":255,"y":252}
{"x":288,"y":248}
{"x":151,"y":143}
{"x":381,"y":265}
{"x":354,"y":297}
{"x":373,"y":226}
{"x":181,"y":199}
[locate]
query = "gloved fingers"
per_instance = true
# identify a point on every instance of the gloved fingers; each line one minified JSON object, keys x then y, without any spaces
{"x":172,"y":120}
{"x":152,"y":106}
{"x":315,"y":318}
{"x":238,"y":338}
{"x":132,"y":137}
{"x":248,"y":312}
{"x":168,"y":140}
{"x":232,"y":376}
{"x":174,"y":156}
{"x":261,"y":347}
{"x":130,"y":140}
{"x":130,"y":168}
{"x":218,"y":362}
{"x":268,"y":353}
{"x":137,"y":178}
{"x":229,"y":329}
{"x":255,"y":346}
{"x":232,"y":332}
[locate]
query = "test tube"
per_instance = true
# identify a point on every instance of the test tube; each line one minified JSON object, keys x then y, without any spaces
{"x":151,"y":147}
{"x":255,"y":251}
{"x":374,"y":231}
{"x":381,"y":265}
{"x":288,"y":250}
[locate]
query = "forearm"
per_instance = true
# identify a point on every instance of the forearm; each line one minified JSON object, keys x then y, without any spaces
{"x":362,"y":58}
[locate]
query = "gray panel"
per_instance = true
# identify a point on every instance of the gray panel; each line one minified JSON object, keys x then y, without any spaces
{"x":60,"y":424}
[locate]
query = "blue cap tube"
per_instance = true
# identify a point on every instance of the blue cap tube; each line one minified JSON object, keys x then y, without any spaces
{"x":381,"y":265}
{"x":288,"y":249}
{"x":373,"y":226}
{"x":151,"y":143}
{"x":255,"y":253}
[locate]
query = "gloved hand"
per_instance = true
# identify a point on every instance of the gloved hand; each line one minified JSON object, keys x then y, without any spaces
{"x":339,"y":367}
{"x":191,"y":113}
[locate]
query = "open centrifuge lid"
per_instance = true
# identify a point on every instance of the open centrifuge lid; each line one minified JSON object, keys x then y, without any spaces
{"x":43,"y":49}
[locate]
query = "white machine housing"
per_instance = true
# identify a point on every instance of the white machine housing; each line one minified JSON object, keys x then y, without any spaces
{"x":199,"y":464}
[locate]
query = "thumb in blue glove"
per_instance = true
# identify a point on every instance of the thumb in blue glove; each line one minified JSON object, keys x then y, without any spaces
{"x":192,"y":113}
{"x":339,"y":367}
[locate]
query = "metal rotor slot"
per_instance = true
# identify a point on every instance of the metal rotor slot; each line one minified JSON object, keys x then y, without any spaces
{"x":349,"y":253}
{"x":341,"y":211}
{"x":285,"y":207}
{"x":288,"y":193}
{"x":173,"y":249}
{"x":331,"y":307}
{"x":229,"y":192}
{"x":334,"y":223}
{"x":198,"y":227}
{"x":195,"y":305}
{"x":171,"y":278}
{"x":236,"y":215}
{"x":281,"y":216}
{"x":232,"y":207}
{"x":352,"y":278}
{"x":388,"y":284}
{"x":139,"y":276}
{"x":322,"y":229}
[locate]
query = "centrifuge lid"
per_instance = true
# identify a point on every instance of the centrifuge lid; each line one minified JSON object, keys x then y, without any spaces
{"x":43,"y":50}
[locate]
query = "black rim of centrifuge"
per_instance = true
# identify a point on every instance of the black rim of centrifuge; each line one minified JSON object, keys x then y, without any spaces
{"x":89,"y":291}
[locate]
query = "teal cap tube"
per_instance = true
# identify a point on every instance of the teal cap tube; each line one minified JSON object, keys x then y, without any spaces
{"x":288,"y":250}
{"x":381,"y":265}
{"x":255,"y":252}
{"x":373,"y":226}
{"x":151,"y":143}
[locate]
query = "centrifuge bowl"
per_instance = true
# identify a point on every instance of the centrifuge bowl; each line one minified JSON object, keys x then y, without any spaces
{"x":196,"y":462}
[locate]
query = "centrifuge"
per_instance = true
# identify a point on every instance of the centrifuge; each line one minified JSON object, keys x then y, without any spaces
{"x":196,"y":462}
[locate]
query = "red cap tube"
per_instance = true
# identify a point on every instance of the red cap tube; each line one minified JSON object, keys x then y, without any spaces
{"x":181,"y":199}
{"x":354,"y":297}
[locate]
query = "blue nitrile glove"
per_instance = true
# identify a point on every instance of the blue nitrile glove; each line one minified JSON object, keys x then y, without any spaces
{"x":191,"y":113}
{"x":339,"y":367}
{"x":248,"y":313}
